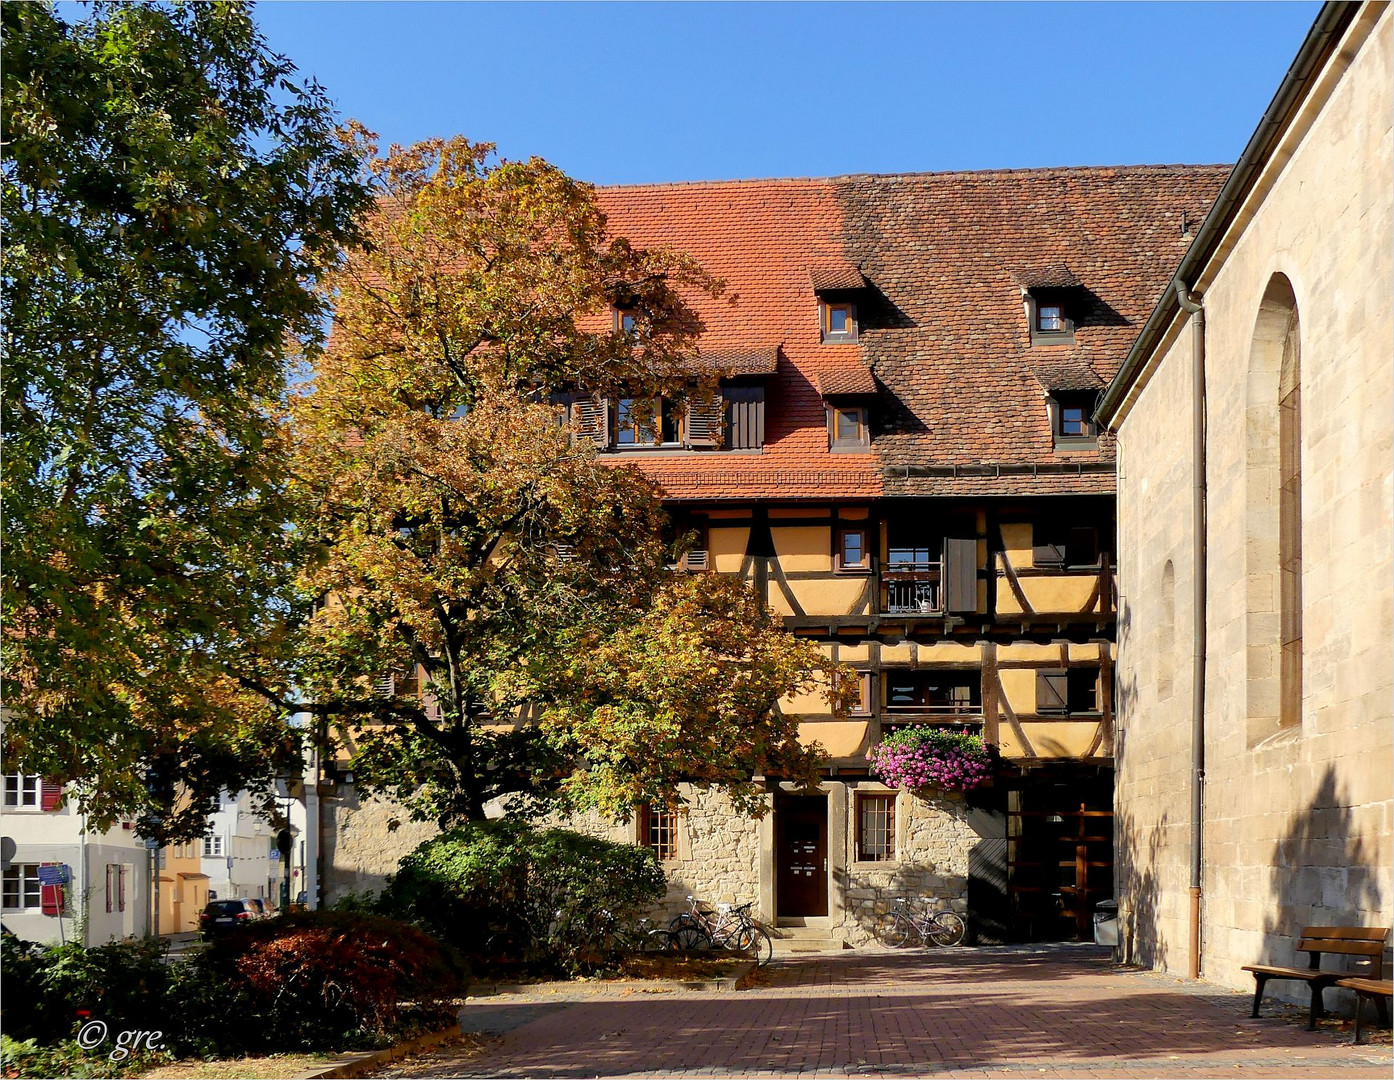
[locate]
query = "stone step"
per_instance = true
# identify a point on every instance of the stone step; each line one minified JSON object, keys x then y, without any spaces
{"x":806,"y":939}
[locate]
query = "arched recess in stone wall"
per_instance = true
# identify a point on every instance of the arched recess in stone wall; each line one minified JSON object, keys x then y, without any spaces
{"x":1166,"y":634}
{"x":1273,"y":385}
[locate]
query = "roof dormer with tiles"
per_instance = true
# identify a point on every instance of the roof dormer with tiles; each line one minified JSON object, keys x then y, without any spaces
{"x":961,"y":312}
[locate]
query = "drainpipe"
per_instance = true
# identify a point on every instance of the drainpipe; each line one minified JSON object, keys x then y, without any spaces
{"x":1192,"y":305}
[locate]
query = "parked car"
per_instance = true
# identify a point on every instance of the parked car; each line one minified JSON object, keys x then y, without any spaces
{"x":221,"y":915}
{"x":263,"y":908}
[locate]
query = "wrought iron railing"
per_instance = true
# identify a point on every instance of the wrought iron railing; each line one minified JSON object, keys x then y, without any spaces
{"x":913,"y":593}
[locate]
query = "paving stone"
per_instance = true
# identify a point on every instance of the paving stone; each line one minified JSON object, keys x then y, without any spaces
{"x":964,"y":1014}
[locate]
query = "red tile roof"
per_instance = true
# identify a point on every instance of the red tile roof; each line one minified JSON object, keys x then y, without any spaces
{"x":757,"y":361}
{"x":941,"y":321}
{"x":1051,"y":276}
{"x":835,"y":277}
{"x":849,"y":380}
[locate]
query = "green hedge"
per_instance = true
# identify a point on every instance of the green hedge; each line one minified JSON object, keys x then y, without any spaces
{"x":545,"y":892}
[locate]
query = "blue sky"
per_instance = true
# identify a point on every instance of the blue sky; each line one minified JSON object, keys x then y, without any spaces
{"x":633,"y":93}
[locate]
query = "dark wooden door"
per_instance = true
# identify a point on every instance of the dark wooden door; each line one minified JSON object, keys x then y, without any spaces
{"x":801,"y":855}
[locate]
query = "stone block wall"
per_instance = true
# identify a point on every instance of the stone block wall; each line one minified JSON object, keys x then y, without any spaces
{"x":1298,"y":819}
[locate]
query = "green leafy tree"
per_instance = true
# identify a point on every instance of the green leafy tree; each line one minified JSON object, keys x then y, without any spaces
{"x":171,"y":198}
{"x":517,"y":586}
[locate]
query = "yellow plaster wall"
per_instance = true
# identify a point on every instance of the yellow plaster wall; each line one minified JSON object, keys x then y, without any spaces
{"x":726,"y":549}
{"x":826,"y":596}
{"x":1049,"y":740}
{"x":1016,"y":541}
{"x":803,"y":548}
{"x":1063,"y":593}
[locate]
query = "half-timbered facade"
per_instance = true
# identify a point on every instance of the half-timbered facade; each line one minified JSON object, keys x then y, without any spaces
{"x":904,"y":464}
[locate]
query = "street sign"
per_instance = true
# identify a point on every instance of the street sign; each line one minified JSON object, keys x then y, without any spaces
{"x":54,"y":874}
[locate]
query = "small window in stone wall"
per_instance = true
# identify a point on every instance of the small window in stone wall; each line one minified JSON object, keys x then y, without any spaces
{"x":875,"y":828}
{"x":659,"y":831}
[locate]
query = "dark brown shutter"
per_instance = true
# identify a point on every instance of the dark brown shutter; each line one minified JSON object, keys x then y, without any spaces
{"x":704,"y":422}
{"x":745,"y":406}
{"x":592,"y":419}
{"x":1047,"y":550}
{"x":1051,"y":692}
{"x":960,"y":575}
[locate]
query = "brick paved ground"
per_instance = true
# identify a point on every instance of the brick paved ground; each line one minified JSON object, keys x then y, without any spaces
{"x":963,"y":1014}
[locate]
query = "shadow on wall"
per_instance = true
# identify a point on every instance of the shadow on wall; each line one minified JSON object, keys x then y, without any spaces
{"x":1135,"y":874}
{"x":1324,"y":874}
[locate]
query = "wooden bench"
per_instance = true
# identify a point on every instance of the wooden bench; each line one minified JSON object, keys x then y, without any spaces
{"x":1380,"y":990}
{"x":1341,"y":940}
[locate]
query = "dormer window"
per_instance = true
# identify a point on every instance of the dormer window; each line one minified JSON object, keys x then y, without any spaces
{"x":660,"y":425}
{"x":847,"y":427}
{"x":1074,"y":422}
{"x":1050,"y":319}
{"x":1049,"y":313}
{"x":839,"y":322}
{"x":1071,"y":418}
{"x":626,"y":322}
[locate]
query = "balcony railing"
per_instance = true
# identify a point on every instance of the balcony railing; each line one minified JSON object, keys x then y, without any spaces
{"x":912,"y":588}
{"x":954,"y":714}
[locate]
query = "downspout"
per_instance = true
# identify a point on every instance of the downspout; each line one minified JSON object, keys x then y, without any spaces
{"x":1192,"y":305}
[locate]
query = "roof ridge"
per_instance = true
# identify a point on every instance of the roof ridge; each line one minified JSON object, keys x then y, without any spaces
{"x":1047,"y":170}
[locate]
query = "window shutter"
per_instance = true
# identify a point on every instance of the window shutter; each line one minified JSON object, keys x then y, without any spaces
{"x":51,"y":896}
{"x":704,"y":422}
{"x":592,"y":419}
{"x":1051,"y":692}
{"x":960,"y":575}
{"x":695,"y":560}
{"x":745,"y":407}
{"x":1047,"y":551}
{"x":51,"y":796}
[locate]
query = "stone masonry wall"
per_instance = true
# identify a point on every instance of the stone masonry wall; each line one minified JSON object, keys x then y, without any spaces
{"x":933,"y":843}
{"x":1299,"y":821}
{"x":364,"y":841}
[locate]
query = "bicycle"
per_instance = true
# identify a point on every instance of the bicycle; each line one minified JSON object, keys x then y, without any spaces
{"x":727,"y":927}
{"x":896,"y":928}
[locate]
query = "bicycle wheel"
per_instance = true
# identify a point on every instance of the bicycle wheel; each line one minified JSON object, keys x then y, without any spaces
{"x":894,"y":930}
{"x":946,"y":929}
{"x":755,"y":943}
{"x":689,"y":937}
{"x":657,"y":941}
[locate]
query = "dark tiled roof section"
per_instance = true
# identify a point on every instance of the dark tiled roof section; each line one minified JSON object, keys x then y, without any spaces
{"x":835,"y":277}
{"x":1052,"y":276}
{"x":946,"y":332}
{"x":738,"y":361}
{"x":849,"y":380}
{"x":1066,"y":373}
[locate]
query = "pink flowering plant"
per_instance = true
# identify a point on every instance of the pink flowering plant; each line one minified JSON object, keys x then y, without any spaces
{"x":923,"y":757}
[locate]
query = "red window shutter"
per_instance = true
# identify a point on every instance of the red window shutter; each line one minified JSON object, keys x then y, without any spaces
{"x":51,"y":896}
{"x":50,"y":796}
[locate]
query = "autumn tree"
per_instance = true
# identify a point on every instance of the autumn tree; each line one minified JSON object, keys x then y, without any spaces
{"x":172,"y":196}
{"x":468,"y":533}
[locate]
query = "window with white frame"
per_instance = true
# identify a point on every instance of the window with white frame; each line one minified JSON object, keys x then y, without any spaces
{"x":21,"y":887}
{"x":22,"y":791}
{"x":212,"y":846}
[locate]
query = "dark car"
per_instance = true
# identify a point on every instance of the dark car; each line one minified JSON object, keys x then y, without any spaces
{"x":223,"y":915}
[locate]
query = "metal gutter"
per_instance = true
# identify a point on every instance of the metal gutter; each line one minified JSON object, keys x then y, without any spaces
{"x":1331,"y":22}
